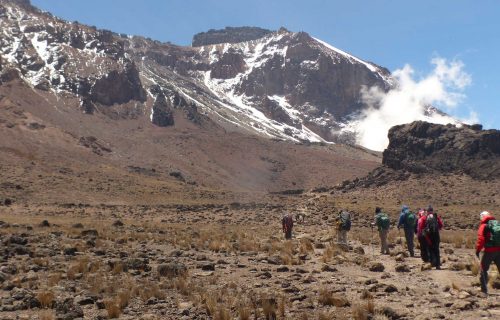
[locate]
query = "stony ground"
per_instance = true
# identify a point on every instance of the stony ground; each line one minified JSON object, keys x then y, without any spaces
{"x":222,"y":263}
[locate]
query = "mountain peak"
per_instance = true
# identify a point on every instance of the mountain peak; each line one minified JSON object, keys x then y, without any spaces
{"x":229,"y":35}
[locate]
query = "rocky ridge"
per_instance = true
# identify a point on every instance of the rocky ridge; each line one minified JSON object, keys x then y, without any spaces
{"x":228,"y":35}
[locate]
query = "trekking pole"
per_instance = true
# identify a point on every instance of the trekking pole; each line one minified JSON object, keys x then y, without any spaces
{"x":401,"y":238}
{"x":483,"y":276}
{"x":371,"y":244}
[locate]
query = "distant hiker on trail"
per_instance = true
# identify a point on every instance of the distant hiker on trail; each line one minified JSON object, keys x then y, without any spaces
{"x":287,"y":223}
{"x":408,"y":220}
{"x":422,"y":239}
{"x":343,"y":226}
{"x":433,"y":224}
{"x":488,"y":237}
{"x":383,"y":224}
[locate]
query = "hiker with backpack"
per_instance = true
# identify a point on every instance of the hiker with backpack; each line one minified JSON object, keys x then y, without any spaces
{"x":383,"y":224}
{"x":287,"y":223}
{"x":422,"y":239}
{"x":343,"y":226}
{"x":408,"y":221}
{"x":488,"y":237}
{"x":433,"y":224}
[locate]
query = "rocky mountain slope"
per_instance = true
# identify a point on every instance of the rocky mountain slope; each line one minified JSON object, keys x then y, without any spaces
{"x":277,"y":84}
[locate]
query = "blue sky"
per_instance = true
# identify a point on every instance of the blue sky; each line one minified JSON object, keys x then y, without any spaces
{"x":388,"y":32}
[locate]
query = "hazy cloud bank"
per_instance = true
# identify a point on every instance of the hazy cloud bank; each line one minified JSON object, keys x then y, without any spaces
{"x":411,"y":100}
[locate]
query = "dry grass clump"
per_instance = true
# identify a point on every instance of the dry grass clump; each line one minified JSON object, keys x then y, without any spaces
{"x":243,"y":313}
{"x":80,"y":267}
{"x":46,"y":315}
{"x":210,"y":304}
{"x":53,"y":279}
{"x":41,"y":262}
{"x":46,"y":299}
{"x":363,"y":311}
{"x":332,"y":250}
{"x":364,"y":236}
{"x":112,"y":308}
{"x":149,"y":290}
{"x":366,"y":295}
{"x":322,"y":315}
{"x":456,"y":238}
{"x":475,"y":267}
{"x":328,"y":298}
{"x":123,"y":299}
{"x":222,"y":313}
{"x":306,"y":246}
{"x":269,"y":308}
{"x":459,"y":239}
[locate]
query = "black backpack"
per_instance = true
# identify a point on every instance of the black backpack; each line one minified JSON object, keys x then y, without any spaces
{"x":345,"y":220}
{"x":431,"y":224}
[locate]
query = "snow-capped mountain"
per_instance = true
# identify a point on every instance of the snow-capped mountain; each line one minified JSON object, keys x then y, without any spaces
{"x":279,"y":84}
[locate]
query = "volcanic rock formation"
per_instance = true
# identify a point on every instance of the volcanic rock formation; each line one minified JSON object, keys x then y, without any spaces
{"x":424,"y":147}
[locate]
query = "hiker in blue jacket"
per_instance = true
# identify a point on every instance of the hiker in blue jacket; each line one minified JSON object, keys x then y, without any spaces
{"x":408,"y":220}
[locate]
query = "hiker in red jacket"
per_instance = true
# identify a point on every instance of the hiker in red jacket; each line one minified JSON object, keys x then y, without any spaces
{"x":423,"y":241}
{"x":488,"y":237}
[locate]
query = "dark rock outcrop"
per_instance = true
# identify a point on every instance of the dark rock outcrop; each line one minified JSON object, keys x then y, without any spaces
{"x":228,"y":66}
{"x":92,"y":143}
{"x":119,"y":86}
{"x":229,"y":35}
{"x":163,"y":115}
{"x":422,"y":147}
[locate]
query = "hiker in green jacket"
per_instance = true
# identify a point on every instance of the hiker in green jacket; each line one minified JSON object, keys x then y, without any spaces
{"x":408,"y":220}
{"x":383,"y":224}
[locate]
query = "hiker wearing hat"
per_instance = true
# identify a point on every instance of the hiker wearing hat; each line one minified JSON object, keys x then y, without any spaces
{"x":433,"y":224}
{"x":408,"y":221}
{"x":488,"y":237}
{"x":383,"y":224}
{"x":287,"y":223}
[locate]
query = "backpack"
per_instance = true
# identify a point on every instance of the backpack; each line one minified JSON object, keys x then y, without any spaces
{"x":431,"y":224}
{"x":345,"y":220}
{"x":288,"y":222}
{"x":383,"y":221}
{"x":410,"y":220}
{"x":493,"y":227}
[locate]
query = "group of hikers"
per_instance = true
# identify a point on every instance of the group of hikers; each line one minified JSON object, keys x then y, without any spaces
{"x":426,"y":224}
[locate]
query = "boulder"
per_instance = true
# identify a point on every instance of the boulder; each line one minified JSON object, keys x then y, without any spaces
{"x":171,"y":270}
{"x":376,"y":267}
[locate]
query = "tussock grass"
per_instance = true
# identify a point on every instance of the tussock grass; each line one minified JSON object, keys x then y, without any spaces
{"x":328,"y":298}
{"x":46,"y":299}
{"x":46,"y":315}
{"x":364,"y":311}
{"x":112,"y":308}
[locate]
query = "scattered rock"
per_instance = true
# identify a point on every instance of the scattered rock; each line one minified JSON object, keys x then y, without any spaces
{"x":376,"y":267}
{"x":328,"y":268}
{"x":282,"y":269}
{"x":402,"y":268}
{"x":359,"y":250}
{"x":390,"y":288}
{"x":45,"y":224}
{"x":117,"y":223}
{"x":92,"y":233}
{"x":208,"y":267}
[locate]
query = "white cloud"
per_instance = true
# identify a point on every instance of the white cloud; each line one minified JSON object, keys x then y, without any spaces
{"x":410,"y":100}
